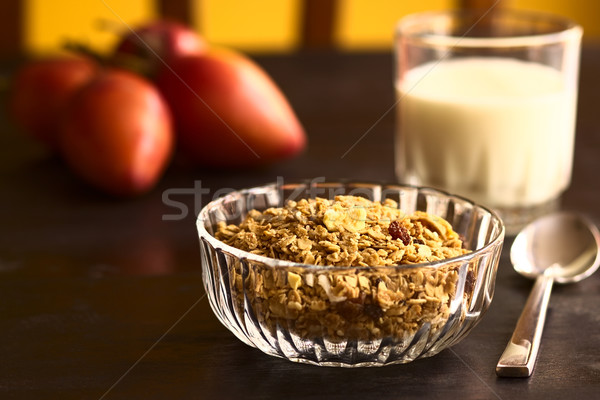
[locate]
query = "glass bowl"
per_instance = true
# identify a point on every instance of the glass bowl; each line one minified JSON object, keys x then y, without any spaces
{"x":404,"y":312}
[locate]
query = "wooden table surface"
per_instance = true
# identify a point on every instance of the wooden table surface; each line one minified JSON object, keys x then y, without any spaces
{"x":103,"y":298}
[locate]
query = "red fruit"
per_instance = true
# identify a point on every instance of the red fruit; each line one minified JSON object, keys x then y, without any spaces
{"x":116,"y":133}
{"x":40,"y":91}
{"x":228,"y":112}
{"x":158,"y":42}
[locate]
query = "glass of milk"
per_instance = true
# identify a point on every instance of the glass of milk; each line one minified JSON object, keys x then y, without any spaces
{"x":486,"y":107}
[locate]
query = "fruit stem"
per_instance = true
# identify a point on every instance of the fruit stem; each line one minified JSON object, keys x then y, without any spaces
{"x":82,"y":49}
{"x":124,"y":61}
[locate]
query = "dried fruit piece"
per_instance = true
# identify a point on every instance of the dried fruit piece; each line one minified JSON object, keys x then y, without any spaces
{"x":469,"y":282}
{"x":398,"y":231}
{"x":373,"y":311}
{"x":294,"y":280}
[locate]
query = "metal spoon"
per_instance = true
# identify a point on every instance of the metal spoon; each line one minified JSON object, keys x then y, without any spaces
{"x":561,"y":247}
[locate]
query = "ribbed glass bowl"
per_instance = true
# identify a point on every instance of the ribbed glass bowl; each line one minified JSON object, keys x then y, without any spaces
{"x":434,"y":305}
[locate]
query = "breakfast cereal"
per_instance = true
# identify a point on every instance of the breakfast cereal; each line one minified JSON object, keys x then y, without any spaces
{"x":343,"y":297}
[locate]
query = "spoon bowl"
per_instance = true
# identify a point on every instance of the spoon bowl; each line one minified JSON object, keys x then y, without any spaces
{"x":562,"y":247}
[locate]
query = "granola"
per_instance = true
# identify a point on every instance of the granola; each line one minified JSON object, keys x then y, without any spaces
{"x":346,"y":299}
{"x":347,"y":231}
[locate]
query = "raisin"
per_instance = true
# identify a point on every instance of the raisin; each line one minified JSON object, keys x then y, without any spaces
{"x":469,"y":282}
{"x":349,"y":310}
{"x":397,"y":231}
{"x":373,"y":311}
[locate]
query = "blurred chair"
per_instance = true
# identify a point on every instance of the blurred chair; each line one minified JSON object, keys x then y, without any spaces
{"x":317,"y":21}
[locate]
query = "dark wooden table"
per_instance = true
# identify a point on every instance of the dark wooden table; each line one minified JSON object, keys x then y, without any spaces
{"x":103,"y":298}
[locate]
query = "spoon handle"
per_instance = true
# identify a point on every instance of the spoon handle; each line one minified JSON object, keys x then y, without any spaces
{"x":520,"y":354}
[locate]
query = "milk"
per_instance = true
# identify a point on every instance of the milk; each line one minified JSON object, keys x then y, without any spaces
{"x":497,"y":130}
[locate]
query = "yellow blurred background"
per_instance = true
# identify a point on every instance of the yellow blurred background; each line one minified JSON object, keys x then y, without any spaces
{"x":254,"y":26}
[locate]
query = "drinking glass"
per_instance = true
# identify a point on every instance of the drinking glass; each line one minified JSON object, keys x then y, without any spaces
{"x":486,"y":107}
